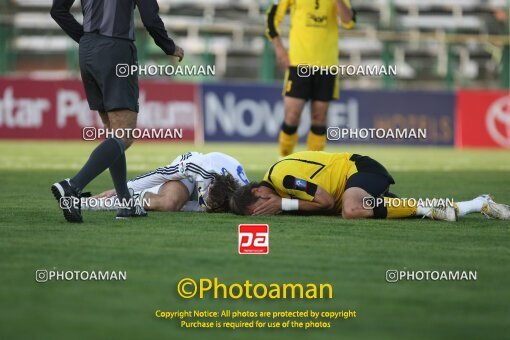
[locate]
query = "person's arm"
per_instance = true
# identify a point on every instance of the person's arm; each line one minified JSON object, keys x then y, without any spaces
{"x":149,"y":12}
{"x":306,"y":196}
{"x":274,"y":17}
{"x":347,"y":14}
{"x":321,"y":201}
{"x":61,"y":13}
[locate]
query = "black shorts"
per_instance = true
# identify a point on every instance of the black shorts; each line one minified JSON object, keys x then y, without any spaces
{"x":372,"y":177}
{"x":99,"y":59}
{"x":321,"y":87}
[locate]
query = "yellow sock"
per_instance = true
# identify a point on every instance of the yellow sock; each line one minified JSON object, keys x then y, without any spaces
{"x":287,"y":143}
{"x":400,"y":208}
{"x":316,"y":142}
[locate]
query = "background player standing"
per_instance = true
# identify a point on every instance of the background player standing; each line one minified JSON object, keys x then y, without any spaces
{"x":106,"y":40}
{"x":313,"y":40}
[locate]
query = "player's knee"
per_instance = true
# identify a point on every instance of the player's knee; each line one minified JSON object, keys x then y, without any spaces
{"x":292,"y":115}
{"x":350,"y":210}
{"x":318,"y":117}
{"x":292,"y":119}
{"x":318,"y":121}
{"x":171,"y":205}
{"x":105,"y":119}
{"x":348,"y":214}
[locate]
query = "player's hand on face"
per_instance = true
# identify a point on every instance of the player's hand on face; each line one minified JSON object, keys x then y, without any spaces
{"x":282,"y":57}
{"x":272,"y":205}
{"x":179,"y":53}
{"x":106,"y":194}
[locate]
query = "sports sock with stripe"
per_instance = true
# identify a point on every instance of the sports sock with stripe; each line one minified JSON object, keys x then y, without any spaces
{"x":473,"y":206}
{"x":118,"y":172}
{"x":288,"y":139}
{"x":316,"y":140}
{"x":103,"y":156}
{"x":395,"y":208}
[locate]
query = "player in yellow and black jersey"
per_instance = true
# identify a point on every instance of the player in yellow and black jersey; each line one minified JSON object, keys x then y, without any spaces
{"x":313,"y":41}
{"x":299,"y":175}
{"x":345,"y":184}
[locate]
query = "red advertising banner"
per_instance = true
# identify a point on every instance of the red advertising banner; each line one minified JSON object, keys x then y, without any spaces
{"x":36,"y":109}
{"x":483,"y":119}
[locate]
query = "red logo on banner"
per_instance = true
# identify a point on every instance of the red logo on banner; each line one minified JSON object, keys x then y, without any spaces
{"x":497,"y":121}
{"x":253,"y":239}
{"x":483,"y":119}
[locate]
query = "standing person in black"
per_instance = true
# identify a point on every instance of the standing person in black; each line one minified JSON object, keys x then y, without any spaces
{"x":106,"y":39}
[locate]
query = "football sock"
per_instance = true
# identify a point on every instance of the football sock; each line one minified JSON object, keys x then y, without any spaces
{"x":423,"y":210}
{"x":395,"y":208}
{"x":399,"y":208}
{"x":118,"y":172}
{"x":473,"y":206}
{"x":103,"y":156}
{"x":316,"y":140}
{"x":288,"y":139}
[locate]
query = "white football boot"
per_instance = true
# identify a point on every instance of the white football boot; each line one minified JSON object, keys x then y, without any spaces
{"x":491,"y":209}
{"x":443,"y":212}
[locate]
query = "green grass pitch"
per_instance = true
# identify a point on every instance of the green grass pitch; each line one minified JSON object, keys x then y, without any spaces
{"x":158,"y":251}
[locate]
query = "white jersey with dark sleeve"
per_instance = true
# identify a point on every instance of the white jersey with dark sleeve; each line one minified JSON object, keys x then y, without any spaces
{"x":196,"y":171}
{"x":177,"y":170}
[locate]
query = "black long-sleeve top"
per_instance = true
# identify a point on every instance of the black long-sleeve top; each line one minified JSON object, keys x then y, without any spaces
{"x":113,"y":18}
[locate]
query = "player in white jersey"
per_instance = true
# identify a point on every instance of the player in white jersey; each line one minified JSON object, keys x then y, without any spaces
{"x":192,"y":182}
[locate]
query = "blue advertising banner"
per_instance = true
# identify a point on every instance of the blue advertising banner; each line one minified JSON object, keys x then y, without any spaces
{"x":254,"y":113}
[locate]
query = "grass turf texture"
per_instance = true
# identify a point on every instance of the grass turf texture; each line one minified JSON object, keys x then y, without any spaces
{"x":158,"y":251}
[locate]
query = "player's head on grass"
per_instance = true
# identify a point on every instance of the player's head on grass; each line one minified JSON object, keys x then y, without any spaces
{"x":220,"y":192}
{"x":245,"y":199}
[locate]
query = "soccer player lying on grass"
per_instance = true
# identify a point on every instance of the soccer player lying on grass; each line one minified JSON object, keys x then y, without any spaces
{"x":192,"y":182}
{"x":343,"y":183}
